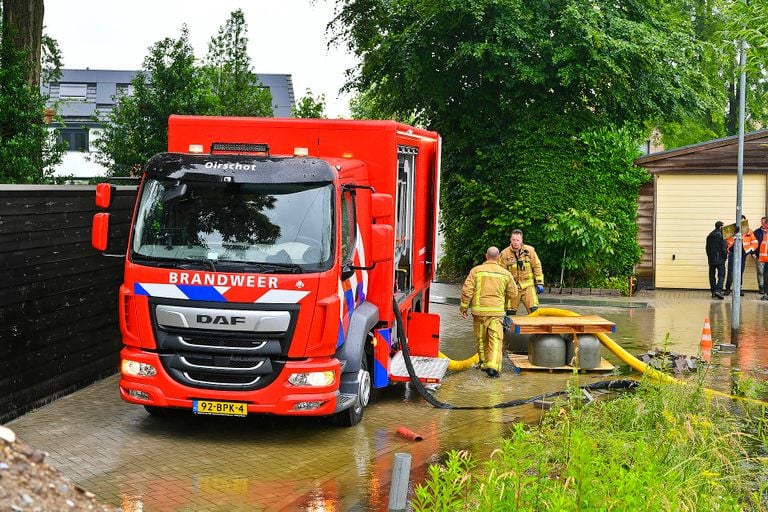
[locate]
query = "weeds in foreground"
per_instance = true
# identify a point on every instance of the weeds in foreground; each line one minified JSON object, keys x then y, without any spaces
{"x":661,"y":448}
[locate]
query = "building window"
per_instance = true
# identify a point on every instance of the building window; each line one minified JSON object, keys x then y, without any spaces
{"x":77,"y":91}
{"x":124,"y":89}
{"x":75,"y":138}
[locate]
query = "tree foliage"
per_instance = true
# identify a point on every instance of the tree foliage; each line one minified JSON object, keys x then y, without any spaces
{"x":720,"y":26}
{"x":623,"y":61}
{"x":587,"y":241}
{"x":170,"y":83}
{"x":235,"y":87}
{"x":310,"y":107}
{"x":745,"y":22}
{"x":520,"y":90}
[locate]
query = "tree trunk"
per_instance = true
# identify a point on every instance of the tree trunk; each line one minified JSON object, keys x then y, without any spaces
{"x":23,"y":28}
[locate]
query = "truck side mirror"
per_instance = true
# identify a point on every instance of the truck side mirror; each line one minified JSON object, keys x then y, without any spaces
{"x":382,"y":242}
{"x":382,"y":205}
{"x":100,"y":231}
{"x":347,"y":271}
{"x":103,"y":195}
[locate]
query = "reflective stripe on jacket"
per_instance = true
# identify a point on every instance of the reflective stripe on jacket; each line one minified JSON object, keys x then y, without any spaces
{"x":524,"y":265}
{"x":749,"y":241}
{"x":763,"y":258}
{"x":486,"y":289}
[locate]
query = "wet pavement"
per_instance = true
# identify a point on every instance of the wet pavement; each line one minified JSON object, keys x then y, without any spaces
{"x":186,"y":463}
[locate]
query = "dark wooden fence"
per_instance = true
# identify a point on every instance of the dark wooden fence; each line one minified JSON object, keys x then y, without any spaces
{"x":58,"y":296}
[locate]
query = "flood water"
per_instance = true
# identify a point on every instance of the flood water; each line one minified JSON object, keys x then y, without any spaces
{"x":187,"y":463}
{"x":662,"y":321}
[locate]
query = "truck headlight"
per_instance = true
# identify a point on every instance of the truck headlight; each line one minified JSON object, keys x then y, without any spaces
{"x":137,"y":369}
{"x":312,"y":379}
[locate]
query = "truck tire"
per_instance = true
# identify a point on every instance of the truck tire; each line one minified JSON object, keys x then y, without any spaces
{"x":158,"y":412}
{"x":354,"y":415}
{"x":163,"y":412}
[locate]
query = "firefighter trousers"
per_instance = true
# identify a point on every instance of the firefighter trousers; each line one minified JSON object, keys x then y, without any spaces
{"x":490,"y":338}
{"x":530,"y":299}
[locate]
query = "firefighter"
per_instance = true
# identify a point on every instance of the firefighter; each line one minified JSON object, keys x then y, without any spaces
{"x":486,"y":290}
{"x":523,"y":263}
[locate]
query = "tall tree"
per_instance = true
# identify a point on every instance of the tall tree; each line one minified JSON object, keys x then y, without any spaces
{"x":23,"y":31}
{"x":719,"y":26}
{"x":236,"y":88}
{"x":517,"y":88}
{"x":310,"y":106}
{"x":746,"y":21}
{"x":169,"y":83}
{"x":27,"y":151}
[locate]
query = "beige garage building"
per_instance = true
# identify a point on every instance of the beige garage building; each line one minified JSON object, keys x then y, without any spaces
{"x":693,"y":187}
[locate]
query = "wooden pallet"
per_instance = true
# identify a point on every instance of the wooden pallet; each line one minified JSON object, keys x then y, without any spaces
{"x":521,"y":361}
{"x":591,"y":324}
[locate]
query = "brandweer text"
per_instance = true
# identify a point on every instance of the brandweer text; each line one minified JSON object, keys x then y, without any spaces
{"x":222,"y":280}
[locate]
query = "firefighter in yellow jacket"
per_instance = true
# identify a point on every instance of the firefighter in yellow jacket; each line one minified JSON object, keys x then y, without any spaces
{"x":486,"y":289}
{"x":523,"y":263}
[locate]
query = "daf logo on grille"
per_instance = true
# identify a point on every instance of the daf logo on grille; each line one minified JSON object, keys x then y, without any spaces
{"x":220,"y":319}
{"x":233,"y":320}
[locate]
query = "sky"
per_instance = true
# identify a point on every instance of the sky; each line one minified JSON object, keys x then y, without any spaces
{"x":284,"y":36}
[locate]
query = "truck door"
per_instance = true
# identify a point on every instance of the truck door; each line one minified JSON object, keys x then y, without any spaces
{"x":406,"y":185}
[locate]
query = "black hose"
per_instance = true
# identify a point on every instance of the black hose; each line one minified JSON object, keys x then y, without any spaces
{"x":606,"y":384}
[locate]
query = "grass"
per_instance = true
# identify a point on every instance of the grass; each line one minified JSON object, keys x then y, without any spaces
{"x":659,"y":448}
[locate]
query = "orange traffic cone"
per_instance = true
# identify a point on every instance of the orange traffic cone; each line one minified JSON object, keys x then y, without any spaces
{"x":706,"y":335}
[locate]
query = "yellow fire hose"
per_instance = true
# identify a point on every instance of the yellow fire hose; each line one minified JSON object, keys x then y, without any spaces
{"x":464,"y":364}
{"x":611,"y":345}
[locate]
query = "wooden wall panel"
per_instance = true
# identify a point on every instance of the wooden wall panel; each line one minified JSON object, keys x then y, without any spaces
{"x":59,"y":328}
{"x":644,"y":268}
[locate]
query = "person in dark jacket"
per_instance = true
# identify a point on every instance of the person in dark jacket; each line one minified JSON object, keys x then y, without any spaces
{"x":717,"y":252}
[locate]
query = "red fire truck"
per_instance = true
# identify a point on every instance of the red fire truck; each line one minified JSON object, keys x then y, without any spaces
{"x":265,"y":260}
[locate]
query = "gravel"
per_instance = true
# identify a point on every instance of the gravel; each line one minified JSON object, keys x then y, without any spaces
{"x":29,"y":484}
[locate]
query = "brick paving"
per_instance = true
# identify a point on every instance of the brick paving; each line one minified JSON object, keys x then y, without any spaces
{"x":185,"y":462}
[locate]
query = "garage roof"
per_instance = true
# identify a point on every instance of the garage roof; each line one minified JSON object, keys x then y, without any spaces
{"x":715,"y":156}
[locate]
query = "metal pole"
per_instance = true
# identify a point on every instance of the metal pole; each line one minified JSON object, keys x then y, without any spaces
{"x":401,"y":473}
{"x":737,"y":247}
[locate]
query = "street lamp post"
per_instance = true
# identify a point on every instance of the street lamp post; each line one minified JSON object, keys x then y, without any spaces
{"x":737,"y":246}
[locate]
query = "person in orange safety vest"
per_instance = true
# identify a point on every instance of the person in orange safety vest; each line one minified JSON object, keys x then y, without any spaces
{"x":749,"y":246}
{"x":760,"y":234}
{"x":486,"y":289}
{"x":763,"y":258}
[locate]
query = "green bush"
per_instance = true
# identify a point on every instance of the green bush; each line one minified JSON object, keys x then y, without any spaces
{"x":539,"y":176}
{"x":661,"y":447}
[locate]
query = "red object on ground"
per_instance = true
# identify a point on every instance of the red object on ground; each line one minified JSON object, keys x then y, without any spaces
{"x":706,"y":335}
{"x":409,"y":434}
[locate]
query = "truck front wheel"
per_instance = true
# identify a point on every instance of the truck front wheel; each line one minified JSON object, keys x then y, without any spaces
{"x":354,"y":415}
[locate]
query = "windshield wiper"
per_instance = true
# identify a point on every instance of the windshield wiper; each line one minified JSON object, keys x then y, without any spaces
{"x":153,"y":260}
{"x":190,"y":262}
{"x":185,"y":264}
{"x":268,"y":267}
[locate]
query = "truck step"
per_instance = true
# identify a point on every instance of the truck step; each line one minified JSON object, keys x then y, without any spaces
{"x":429,"y":370}
{"x":345,"y":401}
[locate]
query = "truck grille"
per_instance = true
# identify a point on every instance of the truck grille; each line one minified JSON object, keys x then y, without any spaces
{"x":241,"y":358}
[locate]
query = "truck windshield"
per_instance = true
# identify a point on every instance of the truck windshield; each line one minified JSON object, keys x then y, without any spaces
{"x":235,"y":227}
